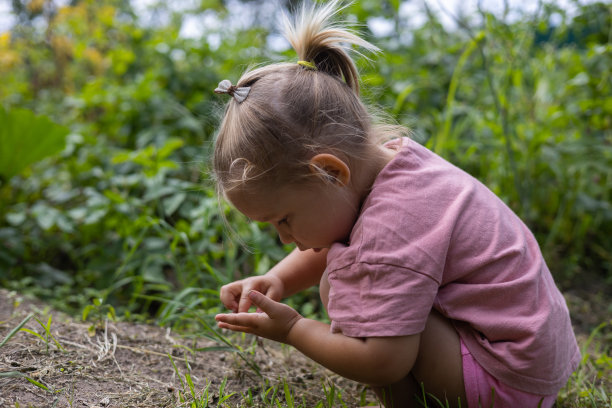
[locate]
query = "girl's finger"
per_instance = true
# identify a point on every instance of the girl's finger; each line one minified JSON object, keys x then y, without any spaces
{"x":238,"y":319}
{"x":273,"y":293}
{"x":245,"y":301}
{"x":262,"y":302}
{"x":230,"y":296}
{"x":232,"y":327}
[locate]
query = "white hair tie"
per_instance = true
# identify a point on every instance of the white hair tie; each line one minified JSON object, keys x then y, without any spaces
{"x":239,"y":93}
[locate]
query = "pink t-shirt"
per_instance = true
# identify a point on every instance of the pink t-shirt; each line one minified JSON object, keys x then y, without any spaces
{"x":430,"y":235}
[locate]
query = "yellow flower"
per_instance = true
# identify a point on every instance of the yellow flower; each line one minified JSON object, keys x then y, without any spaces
{"x":5,"y":39}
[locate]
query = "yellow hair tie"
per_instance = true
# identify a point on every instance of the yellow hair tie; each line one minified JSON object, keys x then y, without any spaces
{"x":308,"y":64}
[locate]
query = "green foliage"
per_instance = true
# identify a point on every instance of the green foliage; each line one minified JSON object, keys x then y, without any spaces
{"x":199,"y":399}
{"x":126,"y":211}
{"x":122,"y":214}
{"x":26,"y":139}
{"x":46,"y":337}
{"x":528,"y":116}
{"x":587,"y":387}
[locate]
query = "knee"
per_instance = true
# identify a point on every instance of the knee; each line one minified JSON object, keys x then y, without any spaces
{"x":404,"y":393}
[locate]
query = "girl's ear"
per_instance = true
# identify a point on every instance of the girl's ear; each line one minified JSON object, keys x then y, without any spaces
{"x":330,"y":168}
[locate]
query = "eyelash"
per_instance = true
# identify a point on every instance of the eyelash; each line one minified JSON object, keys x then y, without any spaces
{"x":283,"y":221}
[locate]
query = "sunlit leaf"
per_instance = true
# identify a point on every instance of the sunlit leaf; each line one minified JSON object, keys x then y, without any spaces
{"x":25,"y":139}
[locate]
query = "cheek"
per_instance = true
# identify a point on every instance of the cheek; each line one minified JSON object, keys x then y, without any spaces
{"x":339,"y":227}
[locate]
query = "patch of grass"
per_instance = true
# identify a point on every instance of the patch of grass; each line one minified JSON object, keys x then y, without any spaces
{"x":48,"y":335}
{"x":138,"y":360}
{"x":188,"y":390}
{"x":590,"y":385}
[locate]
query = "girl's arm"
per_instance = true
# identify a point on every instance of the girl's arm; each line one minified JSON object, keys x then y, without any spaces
{"x":300,"y":270}
{"x":376,"y":361}
{"x":373,"y":360}
{"x":297,"y":271}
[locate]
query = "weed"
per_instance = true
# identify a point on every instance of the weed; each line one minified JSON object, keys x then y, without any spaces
{"x":48,"y":337}
{"x":588,"y":387}
{"x":47,"y":334}
{"x":101,"y":311}
{"x":19,"y":327}
{"x":198,"y":399}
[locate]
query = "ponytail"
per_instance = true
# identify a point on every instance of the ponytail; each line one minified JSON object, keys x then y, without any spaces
{"x":317,"y":39}
{"x":294,"y":111}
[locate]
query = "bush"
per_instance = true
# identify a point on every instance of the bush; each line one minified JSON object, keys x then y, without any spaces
{"x":127,"y":213}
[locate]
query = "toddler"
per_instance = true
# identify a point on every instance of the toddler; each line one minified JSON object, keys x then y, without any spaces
{"x":428,"y":278}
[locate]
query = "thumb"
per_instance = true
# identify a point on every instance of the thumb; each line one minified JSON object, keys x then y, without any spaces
{"x":262,"y":302}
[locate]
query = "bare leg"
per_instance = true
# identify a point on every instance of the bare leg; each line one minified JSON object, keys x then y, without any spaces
{"x":399,"y":395}
{"x":438,"y":367}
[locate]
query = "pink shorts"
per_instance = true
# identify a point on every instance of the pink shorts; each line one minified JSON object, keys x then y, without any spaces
{"x":479,"y":385}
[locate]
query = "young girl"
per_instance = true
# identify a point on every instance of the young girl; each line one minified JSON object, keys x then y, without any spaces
{"x":427,"y":277}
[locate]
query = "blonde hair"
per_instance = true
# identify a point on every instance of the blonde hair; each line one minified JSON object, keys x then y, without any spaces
{"x":293,"y":112}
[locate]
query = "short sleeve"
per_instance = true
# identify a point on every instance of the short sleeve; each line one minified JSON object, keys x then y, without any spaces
{"x":379,"y":300}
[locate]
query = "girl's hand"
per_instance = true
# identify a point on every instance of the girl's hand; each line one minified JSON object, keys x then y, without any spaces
{"x":235,"y":295}
{"x":274,"y":323}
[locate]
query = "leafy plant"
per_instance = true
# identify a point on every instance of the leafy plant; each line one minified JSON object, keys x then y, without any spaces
{"x":47,"y":337}
{"x":124,"y":209}
{"x":26,"y":139}
{"x":101,"y":312}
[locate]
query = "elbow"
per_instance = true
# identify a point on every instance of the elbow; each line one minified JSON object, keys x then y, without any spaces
{"x":387,"y":372}
{"x":390,"y":359}
{"x":387,"y":368}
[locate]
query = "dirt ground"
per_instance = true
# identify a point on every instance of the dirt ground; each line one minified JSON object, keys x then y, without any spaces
{"x":127,"y":365}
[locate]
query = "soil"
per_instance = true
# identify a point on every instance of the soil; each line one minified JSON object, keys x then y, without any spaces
{"x":128,"y":365}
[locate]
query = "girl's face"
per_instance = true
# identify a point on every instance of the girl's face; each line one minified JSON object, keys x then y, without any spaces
{"x":312,"y":216}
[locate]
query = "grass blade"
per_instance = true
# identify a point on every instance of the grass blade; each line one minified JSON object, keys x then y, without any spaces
{"x":32,"y":332}
{"x":36,"y":383}
{"x":176,"y":371}
{"x":12,"y":374}
{"x":16,"y":329}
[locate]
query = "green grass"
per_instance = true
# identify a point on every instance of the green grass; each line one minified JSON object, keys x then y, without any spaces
{"x":123,"y":224}
{"x":588,"y":387}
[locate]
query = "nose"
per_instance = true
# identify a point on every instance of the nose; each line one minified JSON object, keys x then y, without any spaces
{"x":284,"y":236}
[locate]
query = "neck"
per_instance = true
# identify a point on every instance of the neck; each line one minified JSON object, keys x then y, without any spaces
{"x":369,"y":170}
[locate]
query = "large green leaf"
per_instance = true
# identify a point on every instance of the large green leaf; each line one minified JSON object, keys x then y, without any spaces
{"x":25,"y":139}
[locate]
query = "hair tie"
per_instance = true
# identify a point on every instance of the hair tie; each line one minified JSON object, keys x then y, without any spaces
{"x":308,"y":64}
{"x":239,"y":93}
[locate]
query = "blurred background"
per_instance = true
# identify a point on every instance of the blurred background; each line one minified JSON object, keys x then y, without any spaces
{"x":107,"y":116}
